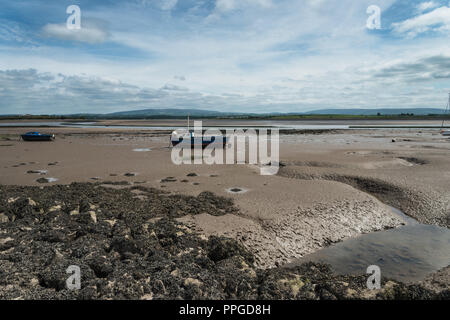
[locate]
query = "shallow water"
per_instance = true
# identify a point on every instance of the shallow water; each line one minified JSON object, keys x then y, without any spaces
{"x":31,"y":124}
{"x":152,"y":127}
{"x":49,"y":180}
{"x":408,"y":253}
{"x":294,"y":125}
{"x":237,"y":190}
{"x":41,"y":172}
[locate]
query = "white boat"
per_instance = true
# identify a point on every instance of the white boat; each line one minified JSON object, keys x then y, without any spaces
{"x":445,"y":133}
{"x":187,"y":137}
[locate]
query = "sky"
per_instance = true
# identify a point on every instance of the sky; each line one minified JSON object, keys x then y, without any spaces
{"x":258,"y":56}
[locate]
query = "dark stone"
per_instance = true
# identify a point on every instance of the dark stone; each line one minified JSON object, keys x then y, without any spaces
{"x":220,"y":248}
{"x":84,"y":205}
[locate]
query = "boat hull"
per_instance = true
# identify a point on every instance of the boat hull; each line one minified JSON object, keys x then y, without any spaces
{"x":37,"y":137}
{"x":200,"y":142}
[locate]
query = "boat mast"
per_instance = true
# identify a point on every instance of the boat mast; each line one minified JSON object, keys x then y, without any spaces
{"x":447,"y":109}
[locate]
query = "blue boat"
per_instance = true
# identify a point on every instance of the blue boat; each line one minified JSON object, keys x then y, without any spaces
{"x":36,"y":136}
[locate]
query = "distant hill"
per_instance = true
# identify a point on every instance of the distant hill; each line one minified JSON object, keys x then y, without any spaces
{"x":370,"y":112}
{"x":205,"y":113}
{"x":197,"y":113}
{"x":165,"y":112}
{"x":168,"y":112}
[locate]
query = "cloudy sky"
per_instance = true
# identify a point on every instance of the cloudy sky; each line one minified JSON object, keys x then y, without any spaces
{"x":224,"y":55}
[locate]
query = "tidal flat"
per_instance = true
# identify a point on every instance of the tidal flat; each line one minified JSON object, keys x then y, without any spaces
{"x":168,"y":231}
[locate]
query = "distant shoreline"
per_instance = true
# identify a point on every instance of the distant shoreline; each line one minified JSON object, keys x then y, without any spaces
{"x":315,"y":117}
{"x":223,"y":124}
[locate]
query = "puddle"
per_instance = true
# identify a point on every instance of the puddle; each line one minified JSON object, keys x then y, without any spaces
{"x":237,"y":190}
{"x":408,"y":253}
{"x":130,"y":174}
{"x":142,"y":150}
{"x":41,"y":172}
{"x":46,"y":180}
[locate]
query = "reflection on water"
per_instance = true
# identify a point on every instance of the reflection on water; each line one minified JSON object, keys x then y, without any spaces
{"x":254,"y":124}
{"x":259,"y":125}
{"x":31,"y":124}
{"x":408,"y":253}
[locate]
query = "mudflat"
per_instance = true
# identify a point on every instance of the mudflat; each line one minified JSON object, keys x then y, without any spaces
{"x":330,"y":187}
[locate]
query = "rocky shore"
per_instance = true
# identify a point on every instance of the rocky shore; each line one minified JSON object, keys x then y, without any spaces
{"x":130,"y":244}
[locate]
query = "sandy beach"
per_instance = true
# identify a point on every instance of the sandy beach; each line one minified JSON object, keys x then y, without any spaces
{"x":331,"y":186}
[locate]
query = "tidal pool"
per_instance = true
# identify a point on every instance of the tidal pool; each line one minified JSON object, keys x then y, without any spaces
{"x":408,"y":253}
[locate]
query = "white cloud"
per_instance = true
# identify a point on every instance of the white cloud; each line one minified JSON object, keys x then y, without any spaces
{"x":295,"y":56}
{"x":14,"y":32}
{"x":168,"y":4}
{"x":225,"y":5}
{"x":424,"y":6}
{"x":316,"y":3}
{"x":424,"y":69}
{"x":172,"y":87}
{"x":161,"y":4}
{"x":229,"y":5}
{"x":437,"y":20}
{"x":10,"y":33}
{"x":90,"y":34}
{"x":406,"y":82}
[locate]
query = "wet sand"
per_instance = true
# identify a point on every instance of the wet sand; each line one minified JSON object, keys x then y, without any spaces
{"x":332,"y":187}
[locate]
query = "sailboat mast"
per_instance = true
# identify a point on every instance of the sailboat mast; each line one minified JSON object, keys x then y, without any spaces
{"x":447,"y":109}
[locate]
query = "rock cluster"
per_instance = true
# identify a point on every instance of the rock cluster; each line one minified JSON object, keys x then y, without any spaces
{"x":133,"y":248}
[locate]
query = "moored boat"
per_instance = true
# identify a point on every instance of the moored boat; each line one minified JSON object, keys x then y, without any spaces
{"x":188,"y":137}
{"x":37,"y":136}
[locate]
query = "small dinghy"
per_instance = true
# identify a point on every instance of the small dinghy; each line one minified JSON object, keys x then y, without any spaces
{"x":36,"y":136}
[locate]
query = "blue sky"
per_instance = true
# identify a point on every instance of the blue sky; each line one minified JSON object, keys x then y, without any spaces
{"x":224,"y":55}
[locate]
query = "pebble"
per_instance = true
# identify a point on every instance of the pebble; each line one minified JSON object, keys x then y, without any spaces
{"x":93,"y":216}
{"x":3,"y":218}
